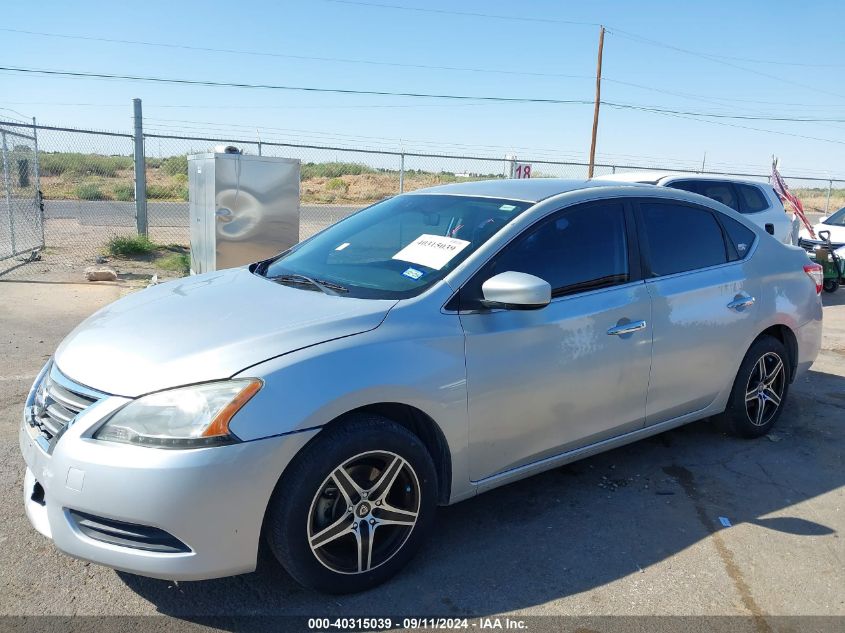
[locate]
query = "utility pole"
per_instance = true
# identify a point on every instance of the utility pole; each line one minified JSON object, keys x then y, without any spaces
{"x":140,"y":171}
{"x":596,"y":109}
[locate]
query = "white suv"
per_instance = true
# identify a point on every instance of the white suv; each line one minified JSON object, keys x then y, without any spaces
{"x":755,"y":200}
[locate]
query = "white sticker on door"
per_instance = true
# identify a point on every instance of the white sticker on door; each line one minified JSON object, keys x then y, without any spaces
{"x":434,"y":251}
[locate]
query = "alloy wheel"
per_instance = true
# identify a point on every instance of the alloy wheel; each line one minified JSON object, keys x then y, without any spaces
{"x":363,"y":512}
{"x":764,"y":391}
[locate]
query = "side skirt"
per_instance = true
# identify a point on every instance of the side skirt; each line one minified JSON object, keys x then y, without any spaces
{"x":555,"y":461}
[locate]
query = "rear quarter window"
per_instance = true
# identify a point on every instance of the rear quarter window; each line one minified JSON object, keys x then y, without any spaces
{"x":753,"y":200}
{"x":740,"y":237}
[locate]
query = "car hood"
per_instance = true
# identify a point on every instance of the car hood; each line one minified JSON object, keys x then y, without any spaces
{"x":203,"y":328}
{"x":837,"y":233}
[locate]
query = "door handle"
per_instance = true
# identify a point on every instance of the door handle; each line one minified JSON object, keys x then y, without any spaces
{"x":740,"y":302}
{"x":627,"y":328}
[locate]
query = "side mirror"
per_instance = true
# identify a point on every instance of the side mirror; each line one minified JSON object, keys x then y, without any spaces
{"x":516,"y":291}
{"x":770,"y":228}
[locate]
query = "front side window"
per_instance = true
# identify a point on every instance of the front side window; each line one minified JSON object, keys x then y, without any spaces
{"x":575,"y":250}
{"x":679,"y":238}
{"x":394,"y":249}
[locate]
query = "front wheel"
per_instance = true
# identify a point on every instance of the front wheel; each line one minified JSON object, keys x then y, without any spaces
{"x":354,"y":506}
{"x":831,"y":285}
{"x":760,"y":389}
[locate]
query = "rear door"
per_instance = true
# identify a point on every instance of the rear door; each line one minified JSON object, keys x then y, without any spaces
{"x":541,"y":382}
{"x":703,"y":303}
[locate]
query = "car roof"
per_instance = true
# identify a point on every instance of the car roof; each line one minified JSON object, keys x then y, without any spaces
{"x":526,"y":189}
{"x":653,"y":177}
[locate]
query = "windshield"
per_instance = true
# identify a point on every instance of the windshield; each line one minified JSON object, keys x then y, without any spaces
{"x":397,"y":248}
{"x":837,"y":219}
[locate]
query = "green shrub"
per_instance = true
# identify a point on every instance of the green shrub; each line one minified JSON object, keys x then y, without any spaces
{"x":129,"y":246}
{"x":159,"y":192}
{"x":174,"y":165}
{"x":76,"y":164}
{"x":333,"y":170}
{"x":336,"y":184}
{"x":89,"y":191}
{"x":124,"y":192}
{"x":179,"y":262}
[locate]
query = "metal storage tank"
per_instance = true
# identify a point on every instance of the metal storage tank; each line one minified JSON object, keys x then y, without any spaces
{"x":242,"y":208}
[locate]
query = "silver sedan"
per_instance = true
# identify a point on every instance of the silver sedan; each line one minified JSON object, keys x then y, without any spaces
{"x":428,"y":348}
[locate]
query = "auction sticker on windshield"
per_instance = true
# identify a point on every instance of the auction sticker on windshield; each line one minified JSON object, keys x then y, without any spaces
{"x":433,"y":251}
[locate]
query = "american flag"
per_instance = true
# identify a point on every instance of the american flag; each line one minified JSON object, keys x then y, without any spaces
{"x":784,"y":194}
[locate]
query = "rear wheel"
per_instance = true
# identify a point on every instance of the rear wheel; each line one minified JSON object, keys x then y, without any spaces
{"x":354,"y":506}
{"x":760,"y":389}
{"x":831,"y":285}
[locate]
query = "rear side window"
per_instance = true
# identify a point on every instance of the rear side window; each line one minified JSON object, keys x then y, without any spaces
{"x":579,"y":249}
{"x":679,"y":238}
{"x":714,"y":189}
{"x":740,"y":237}
{"x":753,"y":200}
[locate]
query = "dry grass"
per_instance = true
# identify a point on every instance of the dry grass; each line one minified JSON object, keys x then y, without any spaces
{"x":815,"y":200}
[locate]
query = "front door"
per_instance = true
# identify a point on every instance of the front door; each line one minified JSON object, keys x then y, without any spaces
{"x":541,"y":382}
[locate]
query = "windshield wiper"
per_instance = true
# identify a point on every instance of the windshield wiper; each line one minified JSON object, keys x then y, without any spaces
{"x":327,"y":287}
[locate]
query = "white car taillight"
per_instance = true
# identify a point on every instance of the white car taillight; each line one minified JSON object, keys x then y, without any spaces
{"x":814,"y":272}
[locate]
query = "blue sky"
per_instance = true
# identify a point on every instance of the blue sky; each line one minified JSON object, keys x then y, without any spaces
{"x":560,"y":56}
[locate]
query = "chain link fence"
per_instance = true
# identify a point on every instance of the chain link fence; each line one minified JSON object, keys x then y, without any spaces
{"x":87,"y":181}
{"x":21,"y":222}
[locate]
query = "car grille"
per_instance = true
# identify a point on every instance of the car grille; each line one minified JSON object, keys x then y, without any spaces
{"x":811,"y":245}
{"x":57,"y":402}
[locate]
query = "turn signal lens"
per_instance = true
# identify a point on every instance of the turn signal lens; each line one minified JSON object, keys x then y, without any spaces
{"x":814,"y":272}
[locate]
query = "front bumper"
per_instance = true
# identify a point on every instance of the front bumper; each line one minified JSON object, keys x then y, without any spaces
{"x":211,"y":499}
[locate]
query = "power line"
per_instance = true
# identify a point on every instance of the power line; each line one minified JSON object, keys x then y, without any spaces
{"x":743,"y":127}
{"x":230,"y":51}
{"x":643,"y":40}
{"x":422,"y":95}
{"x":716,"y":56}
{"x":519,"y":18}
{"x":721,"y":59}
{"x":747,"y":117}
{"x":224,"y":84}
{"x":469,"y":14}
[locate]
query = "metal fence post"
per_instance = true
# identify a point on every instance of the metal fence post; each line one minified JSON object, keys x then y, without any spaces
{"x":38,"y":200}
{"x":7,"y":184}
{"x":402,"y":173}
{"x":140,"y":171}
{"x":827,"y":204}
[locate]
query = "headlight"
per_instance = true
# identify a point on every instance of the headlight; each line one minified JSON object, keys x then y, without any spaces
{"x":187,"y":417}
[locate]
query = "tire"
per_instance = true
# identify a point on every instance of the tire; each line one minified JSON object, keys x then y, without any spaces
{"x":391,"y":478}
{"x":743,"y":416}
{"x":831,"y":285}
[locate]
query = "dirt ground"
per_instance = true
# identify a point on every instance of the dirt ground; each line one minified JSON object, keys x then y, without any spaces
{"x":634,"y":532}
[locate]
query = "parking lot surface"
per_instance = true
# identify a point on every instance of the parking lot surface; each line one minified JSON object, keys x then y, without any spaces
{"x":691,"y":522}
